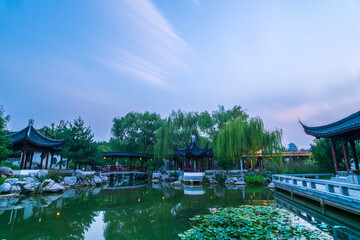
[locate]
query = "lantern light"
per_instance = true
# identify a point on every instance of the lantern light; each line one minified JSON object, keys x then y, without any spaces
{"x":58,"y":214}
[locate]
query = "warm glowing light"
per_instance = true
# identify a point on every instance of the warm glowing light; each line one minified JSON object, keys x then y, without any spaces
{"x":139,"y":200}
{"x":140,"y":158}
{"x":210,"y":197}
{"x":58,"y":214}
{"x":39,"y":219}
{"x":104,"y":157}
{"x":163,"y":198}
{"x":163,"y":159}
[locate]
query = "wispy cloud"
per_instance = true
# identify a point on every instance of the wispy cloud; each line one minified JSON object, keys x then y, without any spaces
{"x":143,"y":42}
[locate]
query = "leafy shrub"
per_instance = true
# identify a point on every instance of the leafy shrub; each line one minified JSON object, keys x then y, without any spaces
{"x":174,"y":174}
{"x":254,"y":179}
{"x":10,"y":165}
{"x":250,"y":222}
{"x":205,"y":179}
{"x":6,"y":164}
{"x":71,"y":165}
{"x":53,"y":174}
{"x":220,"y":177}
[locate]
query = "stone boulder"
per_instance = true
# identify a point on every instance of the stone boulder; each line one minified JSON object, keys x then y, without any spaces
{"x":97,"y":180}
{"x":6,"y":171}
{"x":31,"y":180}
{"x":5,"y":188}
{"x":33,"y":174}
{"x":49,"y":186}
{"x":240,"y":183}
{"x":156,"y":175}
{"x":79,"y":175}
{"x":271,"y":185}
{"x":176,"y":183}
{"x":41,"y":174}
{"x":56,"y":187}
{"x":12,"y":181}
{"x":71,"y":181}
{"x":165,"y":177}
{"x":31,"y":187}
{"x":16,"y":189}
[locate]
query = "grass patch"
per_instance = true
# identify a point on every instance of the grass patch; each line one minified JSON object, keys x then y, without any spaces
{"x":250,"y":222}
{"x":2,"y":180}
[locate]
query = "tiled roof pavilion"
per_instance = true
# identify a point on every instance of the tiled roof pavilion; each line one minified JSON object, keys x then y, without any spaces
{"x":29,"y":141}
{"x":345,"y":130}
{"x":346,"y":125}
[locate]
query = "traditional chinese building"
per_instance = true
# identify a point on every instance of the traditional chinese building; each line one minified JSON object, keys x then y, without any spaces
{"x":196,"y":157}
{"x":30,"y":142}
{"x":346,"y":131}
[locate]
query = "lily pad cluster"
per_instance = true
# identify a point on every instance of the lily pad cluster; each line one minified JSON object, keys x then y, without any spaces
{"x":250,"y":222}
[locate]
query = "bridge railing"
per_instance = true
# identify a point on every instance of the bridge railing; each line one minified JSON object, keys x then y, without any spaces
{"x":318,"y":185}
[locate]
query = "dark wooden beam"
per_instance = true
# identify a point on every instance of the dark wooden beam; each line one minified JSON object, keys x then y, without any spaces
{"x":344,"y":143}
{"x":336,"y":163}
{"x":352,"y":144}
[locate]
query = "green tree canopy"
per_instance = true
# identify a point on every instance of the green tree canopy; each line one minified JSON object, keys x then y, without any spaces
{"x":5,"y":142}
{"x":245,"y":136}
{"x":79,"y":146}
{"x":135,"y":132}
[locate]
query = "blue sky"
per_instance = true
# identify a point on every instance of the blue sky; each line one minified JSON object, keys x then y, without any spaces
{"x":280,"y":60}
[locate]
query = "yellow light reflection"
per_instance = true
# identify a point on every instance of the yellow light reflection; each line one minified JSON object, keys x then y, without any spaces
{"x":39,"y":219}
{"x":58,"y":214}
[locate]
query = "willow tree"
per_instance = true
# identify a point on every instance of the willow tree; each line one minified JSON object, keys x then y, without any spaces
{"x":246,"y":137}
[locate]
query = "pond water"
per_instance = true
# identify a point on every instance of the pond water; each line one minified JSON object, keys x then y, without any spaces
{"x":147,"y":211}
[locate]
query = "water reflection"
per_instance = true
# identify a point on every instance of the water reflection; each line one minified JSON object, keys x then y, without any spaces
{"x":341,"y":225}
{"x":150,"y":211}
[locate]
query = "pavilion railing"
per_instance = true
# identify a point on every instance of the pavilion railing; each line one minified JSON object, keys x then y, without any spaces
{"x":194,"y":170}
{"x":342,"y":174}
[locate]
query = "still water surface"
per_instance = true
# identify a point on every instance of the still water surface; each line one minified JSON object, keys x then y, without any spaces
{"x":149,"y":211}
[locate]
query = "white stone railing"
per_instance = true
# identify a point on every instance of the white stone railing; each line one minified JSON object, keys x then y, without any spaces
{"x":317,"y":185}
{"x":342,"y":174}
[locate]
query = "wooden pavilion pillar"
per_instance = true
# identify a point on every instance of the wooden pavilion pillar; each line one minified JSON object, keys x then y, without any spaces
{"x":336,"y":163}
{"x":47,"y":160}
{"x":343,"y":143}
{"x":23,"y":159}
{"x":352,"y":144}
{"x":31,"y":159}
{"x":61,"y":161}
{"x":51,"y":158}
{"x":41,"y":161}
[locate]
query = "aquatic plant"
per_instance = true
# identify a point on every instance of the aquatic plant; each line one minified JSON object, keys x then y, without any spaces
{"x":250,"y":222}
{"x":254,"y":179}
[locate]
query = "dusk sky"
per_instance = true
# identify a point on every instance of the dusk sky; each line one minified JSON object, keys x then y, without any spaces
{"x":280,"y":60}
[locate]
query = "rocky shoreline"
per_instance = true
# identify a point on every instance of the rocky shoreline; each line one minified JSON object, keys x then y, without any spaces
{"x":41,"y":183}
